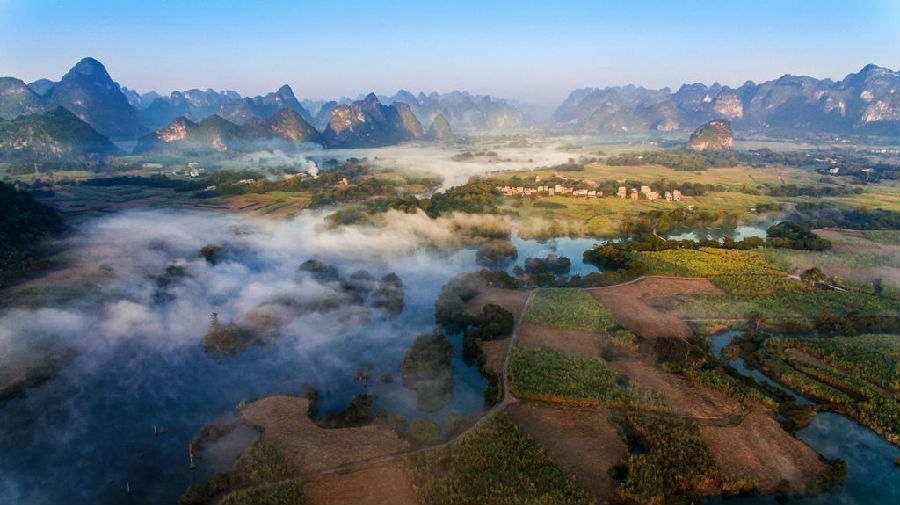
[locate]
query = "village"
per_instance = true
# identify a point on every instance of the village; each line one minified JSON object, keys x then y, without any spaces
{"x":560,"y":189}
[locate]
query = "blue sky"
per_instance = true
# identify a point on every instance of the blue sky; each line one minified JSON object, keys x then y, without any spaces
{"x":533,"y":51}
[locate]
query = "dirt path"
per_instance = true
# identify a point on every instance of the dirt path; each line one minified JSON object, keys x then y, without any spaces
{"x":758,"y":448}
{"x":687,"y":398}
{"x":579,"y":440}
{"x":626,"y":304}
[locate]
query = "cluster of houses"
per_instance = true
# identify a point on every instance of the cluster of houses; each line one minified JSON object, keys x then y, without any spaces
{"x":649,"y":194}
{"x":556,"y":189}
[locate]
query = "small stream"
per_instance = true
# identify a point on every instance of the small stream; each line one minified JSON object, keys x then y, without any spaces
{"x":872,"y":476}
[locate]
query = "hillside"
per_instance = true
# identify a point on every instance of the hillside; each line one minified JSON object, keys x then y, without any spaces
{"x":866,"y":102}
{"x":55,"y":135}
{"x":368,"y":123}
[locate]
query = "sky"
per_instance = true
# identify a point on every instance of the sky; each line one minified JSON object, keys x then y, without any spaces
{"x":531,"y":51}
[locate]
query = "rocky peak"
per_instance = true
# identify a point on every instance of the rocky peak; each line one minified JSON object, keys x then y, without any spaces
{"x":440,"y":128}
{"x":712,"y":136}
{"x":285,"y":92}
{"x":91,"y":94}
{"x":91,"y":67}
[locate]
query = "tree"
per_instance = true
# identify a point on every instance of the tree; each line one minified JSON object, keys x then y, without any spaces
{"x":210,"y":252}
{"x":755,"y":320}
{"x":813,"y":275}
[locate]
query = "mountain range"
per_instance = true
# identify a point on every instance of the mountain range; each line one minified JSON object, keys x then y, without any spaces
{"x":866,"y":102}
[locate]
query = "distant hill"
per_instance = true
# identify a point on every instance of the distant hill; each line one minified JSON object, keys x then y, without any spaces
{"x":88,"y":92}
{"x":368,"y":123}
{"x":54,"y":135}
{"x":41,"y":86}
{"x":16,"y":98}
{"x":197,"y":104}
{"x":217,"y":134}
{"x":439,"y":129}
{"x":712,"y":136}
{"x":866,"y":102}
{"x":462,"y":110}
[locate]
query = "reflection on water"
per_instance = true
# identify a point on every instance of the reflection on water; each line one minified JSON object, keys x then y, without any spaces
{"x":720,"y":340}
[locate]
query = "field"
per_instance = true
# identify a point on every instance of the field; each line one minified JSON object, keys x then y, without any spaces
{"x":493,"y":463}
{"x":627,"y":303}
{"x":755,"y":282}
{"x":738,"y":190}
{"x":759,"y":449}
{"x":581,"y":441}
{"x":856,"y":375}
{"x":388,"y":482}
{"x":687,"y":398}
{"x":569,"y":308}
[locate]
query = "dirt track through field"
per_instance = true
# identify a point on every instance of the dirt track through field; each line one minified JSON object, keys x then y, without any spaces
{"x":625,"y":303}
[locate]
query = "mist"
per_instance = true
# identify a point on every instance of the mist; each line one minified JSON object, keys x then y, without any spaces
{"x":137,"y":358}
{"x":421,"y":158}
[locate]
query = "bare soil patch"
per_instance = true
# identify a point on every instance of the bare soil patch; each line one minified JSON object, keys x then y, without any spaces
{"x":584,"y":343}
{"x":310,"y":448}
{"x":512,"y":300}
{"x":579,"y":440}
{"x":495,"y":354}
{"x":626,"y":304}
{"x":759,"y":449}
{"x":689,"y":399}
{"x":386,"y":482}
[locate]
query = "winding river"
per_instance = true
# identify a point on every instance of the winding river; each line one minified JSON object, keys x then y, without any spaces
{"x":872,"y":476}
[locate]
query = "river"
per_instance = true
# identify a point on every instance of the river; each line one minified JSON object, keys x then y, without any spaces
{"x":872,"y":476}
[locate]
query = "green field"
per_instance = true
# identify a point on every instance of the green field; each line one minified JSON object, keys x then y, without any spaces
{"x":550,"y":375}
{"x":495,"y":462}
{"x":570,"y":308}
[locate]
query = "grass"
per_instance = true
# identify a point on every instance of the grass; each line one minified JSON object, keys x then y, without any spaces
{"x":280,"y":493}
{"x":260,"y":463}
{"x":709,"y":262}
{"x":755,"y":282}
{"x":677,"y":466}
{"x":549,"y":375}
{"x":793,"y":259}
{"x":493,"y":463}
{"x":882,"y":236}
{"x":570,"y":308}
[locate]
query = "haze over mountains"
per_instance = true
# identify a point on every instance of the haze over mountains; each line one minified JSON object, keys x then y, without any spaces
{"x":866,"y":102}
